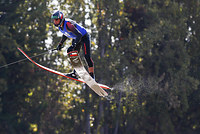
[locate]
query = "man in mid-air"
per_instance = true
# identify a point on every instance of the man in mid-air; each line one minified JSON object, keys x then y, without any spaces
{"x":80,"y":37}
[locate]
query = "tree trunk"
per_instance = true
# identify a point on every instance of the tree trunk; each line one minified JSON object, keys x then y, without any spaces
{"x":118,"y":114}
{"x":87,"y":111}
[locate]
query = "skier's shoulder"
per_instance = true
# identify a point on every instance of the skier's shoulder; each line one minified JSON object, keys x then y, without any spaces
{"x":70,"y":21}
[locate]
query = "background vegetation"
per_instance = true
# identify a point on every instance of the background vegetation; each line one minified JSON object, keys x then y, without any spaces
{"x":147,"y":50}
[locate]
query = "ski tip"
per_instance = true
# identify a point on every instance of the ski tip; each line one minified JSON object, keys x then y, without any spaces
{"x":104,"y":86}
{"x":111,"y":89}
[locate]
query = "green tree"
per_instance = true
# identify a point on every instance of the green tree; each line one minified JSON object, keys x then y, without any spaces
{"x":146,"y":50}
{"x":25,"y":27}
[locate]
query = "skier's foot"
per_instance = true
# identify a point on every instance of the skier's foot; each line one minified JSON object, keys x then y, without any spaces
{"x":72,"y":75}
{"x":91,"y":72}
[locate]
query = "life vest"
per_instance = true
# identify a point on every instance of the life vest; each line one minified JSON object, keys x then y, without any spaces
{"x":69,"y":34}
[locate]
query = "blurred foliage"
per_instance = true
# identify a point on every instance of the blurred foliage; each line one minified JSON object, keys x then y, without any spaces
{"x":147,"y":50}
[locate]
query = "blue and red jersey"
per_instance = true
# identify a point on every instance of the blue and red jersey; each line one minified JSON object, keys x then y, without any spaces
{"x":70,"y":34}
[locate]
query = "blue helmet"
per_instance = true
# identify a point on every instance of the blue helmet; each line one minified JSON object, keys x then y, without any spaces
{"x":58,"y":15}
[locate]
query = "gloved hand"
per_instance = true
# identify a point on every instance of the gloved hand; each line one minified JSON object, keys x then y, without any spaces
{"x":59,"y":47}
{"x":71,"y":48}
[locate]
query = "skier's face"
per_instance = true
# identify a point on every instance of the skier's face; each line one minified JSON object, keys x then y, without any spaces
{"x":56,"y":21}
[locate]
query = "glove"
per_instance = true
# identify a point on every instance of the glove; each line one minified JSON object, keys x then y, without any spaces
{"x":71,"y":48}
{"x":59,"y":47}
